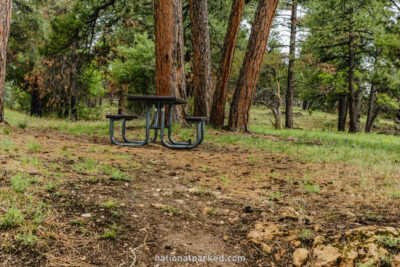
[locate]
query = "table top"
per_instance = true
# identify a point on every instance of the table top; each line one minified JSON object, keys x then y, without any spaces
{"x":172,"y":100}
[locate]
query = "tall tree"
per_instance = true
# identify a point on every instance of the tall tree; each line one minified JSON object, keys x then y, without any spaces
{"x":202,"y":82}
{"x":221,"y":88}
{"x":5,"y":20}
{"x":292,"y":58}
{"x":239,"y":115}
{"x":170,"y":71}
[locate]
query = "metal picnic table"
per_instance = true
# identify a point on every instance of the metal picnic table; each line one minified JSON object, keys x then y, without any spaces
{"x":161,"y":103}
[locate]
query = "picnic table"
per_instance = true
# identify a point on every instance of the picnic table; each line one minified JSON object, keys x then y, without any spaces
{"x":157,"y":122}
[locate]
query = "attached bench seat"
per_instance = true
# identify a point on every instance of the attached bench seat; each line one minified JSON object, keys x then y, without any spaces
{"x":118,"y":117}
{"x":196,"y":119}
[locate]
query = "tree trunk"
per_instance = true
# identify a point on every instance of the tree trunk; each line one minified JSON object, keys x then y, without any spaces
{"x":243,"y":98}
{"x":202,"y":82}
{"x":358,"y":100}
{"x":170,"y":68}
{"x":342,"y":113}
{"x":292,"y":58}
{"x":352,"y":108}
{"x":36,"y":105}
{"x":74,"y":91}
{"x":304,"y":105}
{"x":217,"y":115}
{"x":371,"y":108}
{"x":5,"y":20}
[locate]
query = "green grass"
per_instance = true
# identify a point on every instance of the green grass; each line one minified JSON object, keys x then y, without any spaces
{"x":7,"y":144}
{"x":20,"y":182}
{"x":33,"y":147}
{"x":13,"y":218}
{"x":116,"y":174}
{"x":26,"y":239}
{"x":110,"y":204}
{"x":88,"y":165}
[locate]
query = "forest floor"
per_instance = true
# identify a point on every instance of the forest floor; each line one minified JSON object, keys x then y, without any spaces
{"x":318,"y":198}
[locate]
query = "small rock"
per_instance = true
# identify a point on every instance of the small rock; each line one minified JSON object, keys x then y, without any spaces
{"x":297,"y":243}
{"x":300,"y":256}
{"x":180,"y":201}
{"x":317,"y":228}
{"x":277,"y":257}
{"x":326,"y":256}
{"x":266,"y":248}
{"x":264,"y":232}
{"x":86,"y":215}
{"x":396,"y":260}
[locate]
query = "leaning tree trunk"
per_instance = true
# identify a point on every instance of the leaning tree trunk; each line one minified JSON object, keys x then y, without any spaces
{"x":202,"y":58}
{"x":243,"y":98}
{"x":292,"y":58}
{"x":371,"y":108}
{"x":5,"y":20}
{"x":217,"y":115}
{"x":170,"y":68}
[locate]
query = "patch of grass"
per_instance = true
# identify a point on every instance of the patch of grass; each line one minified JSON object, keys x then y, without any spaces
{"x":116,"y":214}
{"x":110,"y":204}
{"x":311,"y":188}
{"x":224,"y":179}
{"x":171,"y":210}
{"x":33,"y":161}
{"x":203,"y":191}
{"x":7,"y":130}
{"x":373,"y":217}
{"x":305,"y":235}
{"x":389,"y":241}
{"x":394,"y":194}
{"x":111,"y":232}
{"x":22,"y":124}
{"x":20,"y":182}
{"x":26,"y":239}
{"x":116,"y":174}
{"x":88,"y":165}
{"x":275,"y":195}
{"x":13,"y":218}
{"x":33,"y":147}
{"x":7,"y":144}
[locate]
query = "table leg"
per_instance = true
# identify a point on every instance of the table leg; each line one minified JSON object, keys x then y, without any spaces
{"x":200,"y":133}
{"x":130,"y":142}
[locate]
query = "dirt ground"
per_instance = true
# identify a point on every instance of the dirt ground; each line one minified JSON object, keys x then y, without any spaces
{"x":206,"y":201}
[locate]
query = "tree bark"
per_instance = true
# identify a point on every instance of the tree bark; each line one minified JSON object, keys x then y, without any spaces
{"x":371,"y":108}
{"x":202,"y":82}
{"x":74,"y":91}
{"x":217,"y":115}
{"x":5,"y":20}
{"x":243,"y":98}
{"x":352,"y":108}
{"x":36,"y":105}
{"x":292,"y":58}
{"x":170,"y":71}
{"x":342,"y":113}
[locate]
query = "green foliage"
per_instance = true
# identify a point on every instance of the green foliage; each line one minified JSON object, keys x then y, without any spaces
{"x":134,"y":66}
{"x":116,"y":174}
{"x":20,"y":182}
{"x":13,"y":218}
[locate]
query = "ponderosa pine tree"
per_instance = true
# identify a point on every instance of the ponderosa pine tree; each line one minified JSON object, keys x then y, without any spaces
{"x":291,"y":74}
{"x":219,"y":99}
{"x":202,"y":82}
{"x":242,"y":101}
{"x":5,"y":20}
{"x":170,"y":67}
